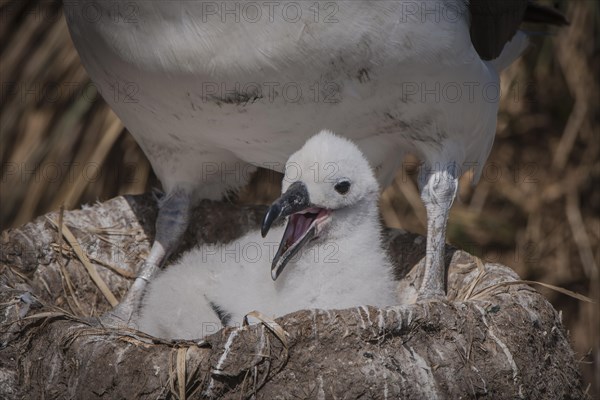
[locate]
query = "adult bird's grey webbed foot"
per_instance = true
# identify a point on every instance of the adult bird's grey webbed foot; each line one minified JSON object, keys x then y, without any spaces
{"x":171,"y":223}
{"x":438,"y":189}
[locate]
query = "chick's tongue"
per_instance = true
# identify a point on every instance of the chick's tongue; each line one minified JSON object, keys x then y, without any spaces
{"x":297,"y":227}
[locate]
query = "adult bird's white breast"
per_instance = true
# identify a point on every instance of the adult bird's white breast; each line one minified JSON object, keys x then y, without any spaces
{"x":221,"y":89}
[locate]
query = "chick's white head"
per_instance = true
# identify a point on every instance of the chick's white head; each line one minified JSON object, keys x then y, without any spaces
{"x":329,"y":192}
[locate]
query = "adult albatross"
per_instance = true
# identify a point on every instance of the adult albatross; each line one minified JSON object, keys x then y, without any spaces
{"x":212,"y":89}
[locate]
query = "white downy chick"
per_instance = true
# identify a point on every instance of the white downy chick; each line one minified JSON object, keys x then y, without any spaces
{"x":329,"y":255}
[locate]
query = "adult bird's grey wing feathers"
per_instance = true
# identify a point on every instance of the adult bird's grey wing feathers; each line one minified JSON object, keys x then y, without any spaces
{"x":495,"y":22}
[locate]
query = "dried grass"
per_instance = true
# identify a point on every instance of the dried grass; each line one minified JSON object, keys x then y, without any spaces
{"x":91,"y":269}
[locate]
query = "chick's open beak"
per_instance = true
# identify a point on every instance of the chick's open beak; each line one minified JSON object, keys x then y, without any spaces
{"x":302,"y":225}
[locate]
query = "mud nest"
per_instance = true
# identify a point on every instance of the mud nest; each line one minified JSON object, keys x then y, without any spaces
{"x":495,"y":337}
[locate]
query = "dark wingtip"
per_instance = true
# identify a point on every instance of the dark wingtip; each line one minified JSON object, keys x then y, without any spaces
{"x":538,"y":13}
{"x":270,"y":216}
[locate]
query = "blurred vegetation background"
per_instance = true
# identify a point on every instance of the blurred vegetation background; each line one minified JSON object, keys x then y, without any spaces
{"x":536,"y":208}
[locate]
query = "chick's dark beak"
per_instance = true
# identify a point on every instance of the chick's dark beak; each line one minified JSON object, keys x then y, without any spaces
{"x":299,"y":229}
{"x":294,"y":199}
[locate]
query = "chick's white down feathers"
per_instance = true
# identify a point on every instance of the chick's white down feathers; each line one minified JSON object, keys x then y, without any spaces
{"x":344,"y":266}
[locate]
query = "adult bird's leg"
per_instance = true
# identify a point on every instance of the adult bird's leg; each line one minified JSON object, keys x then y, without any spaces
{"x":171,"y":223}
{"x":438,"y":189}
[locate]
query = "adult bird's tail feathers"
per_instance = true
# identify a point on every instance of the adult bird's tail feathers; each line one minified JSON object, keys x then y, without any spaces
{"x":534,"y":13}
{"x":512,"y":50}
{"x":541,"y":14}
{"x":494,"y":23}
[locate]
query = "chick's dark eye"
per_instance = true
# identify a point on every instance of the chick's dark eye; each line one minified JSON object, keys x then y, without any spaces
{"x":342,"y":187}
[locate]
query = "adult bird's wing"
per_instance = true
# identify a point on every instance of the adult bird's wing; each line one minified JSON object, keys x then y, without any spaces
{"x":495,"y":22}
